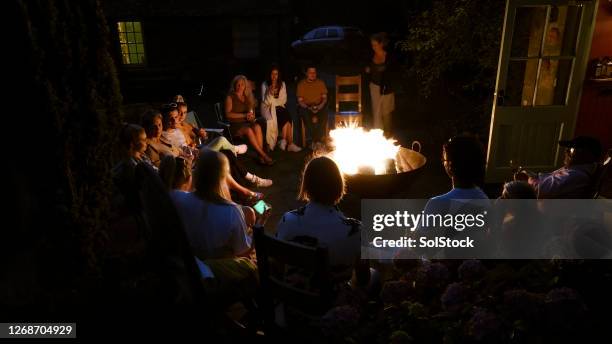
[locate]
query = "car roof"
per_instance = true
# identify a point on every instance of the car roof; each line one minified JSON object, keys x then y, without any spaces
{"x":335,"y":27}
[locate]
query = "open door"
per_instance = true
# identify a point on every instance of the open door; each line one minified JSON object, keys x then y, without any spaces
{"x":542,"y":64}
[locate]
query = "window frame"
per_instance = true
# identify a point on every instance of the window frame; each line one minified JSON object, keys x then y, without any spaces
{"x":134,"y":44}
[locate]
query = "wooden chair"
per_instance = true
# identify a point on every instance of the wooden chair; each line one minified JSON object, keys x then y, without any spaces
{"x":274,"y":259}
{"x":348,"y":101}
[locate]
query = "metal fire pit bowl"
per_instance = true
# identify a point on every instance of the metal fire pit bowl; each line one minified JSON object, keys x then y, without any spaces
{"x":408,"y":163}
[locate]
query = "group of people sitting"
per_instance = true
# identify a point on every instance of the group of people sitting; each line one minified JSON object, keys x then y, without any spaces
{"x":209,"y":185}
{"x":512,"y":233}
{"x":201,"y":180}
{"x":240,"y":105}
{"x":311,"y":98}
{"x":219,"y":229}
{"x":165,"y":134}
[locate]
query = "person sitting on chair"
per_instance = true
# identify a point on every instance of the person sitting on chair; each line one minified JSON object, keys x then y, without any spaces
{"x":132,"y":147}
{"x":158,"y":147}
{"x":575,"y":178}
{"x":239,"y":110}
{"x":274,"y":100}
{"x":216,"y":144}
{"x":217,"y":228}
{"x":191,"y":133}
{"x":312,"y":100}
{"x":323,"y":187}
{"x":464,"y":162}
{"x":175,"y":173}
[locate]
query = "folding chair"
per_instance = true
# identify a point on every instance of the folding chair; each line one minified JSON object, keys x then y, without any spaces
{"x":193,"y":119}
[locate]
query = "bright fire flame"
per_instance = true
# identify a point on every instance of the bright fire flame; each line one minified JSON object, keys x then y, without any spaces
{"x":356,"y":148}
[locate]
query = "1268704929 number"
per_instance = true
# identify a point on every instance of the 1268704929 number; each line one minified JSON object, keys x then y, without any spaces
{"x":39,"y":330}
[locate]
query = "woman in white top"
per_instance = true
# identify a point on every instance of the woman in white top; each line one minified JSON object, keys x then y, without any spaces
{"x":274,"y":98}
{"x":216,"y":227}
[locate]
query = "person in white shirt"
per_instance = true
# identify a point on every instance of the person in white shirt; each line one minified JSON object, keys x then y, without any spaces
{"x":172,"y":134}
{"x":573,"y":180}
{"x":216,"y":227}
{"x":274,"y":98}
{"x":320,"y":219}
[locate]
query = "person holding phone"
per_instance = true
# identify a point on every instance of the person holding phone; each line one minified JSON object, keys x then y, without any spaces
{"x":218,"y":230}
{"x":261,"y":207}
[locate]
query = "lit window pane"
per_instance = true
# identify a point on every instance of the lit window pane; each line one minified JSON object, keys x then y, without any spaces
{"x":131,"y":42}
{"x":553,"y":82}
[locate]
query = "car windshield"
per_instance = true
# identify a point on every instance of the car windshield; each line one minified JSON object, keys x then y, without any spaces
{"x":310,"y":35}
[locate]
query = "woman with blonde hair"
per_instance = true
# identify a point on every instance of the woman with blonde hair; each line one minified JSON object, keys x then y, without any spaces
{"x":218,"y":230}
{"x":239,"y":110}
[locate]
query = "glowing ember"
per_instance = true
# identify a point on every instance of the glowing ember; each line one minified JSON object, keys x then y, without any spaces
{"x":356,"y":148}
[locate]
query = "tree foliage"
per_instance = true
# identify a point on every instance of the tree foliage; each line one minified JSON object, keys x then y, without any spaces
{"x":70,"y":94}
{"x":458,"y":41}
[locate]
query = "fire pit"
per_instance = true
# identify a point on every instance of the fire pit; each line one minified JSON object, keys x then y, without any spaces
{"x":374,"y":166}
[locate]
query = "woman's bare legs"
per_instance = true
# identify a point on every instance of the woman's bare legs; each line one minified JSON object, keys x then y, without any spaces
{"x":255,"y":138}
{"x":258,"y":135}
{"x":233,"y":185}
{"x":287,"y":133}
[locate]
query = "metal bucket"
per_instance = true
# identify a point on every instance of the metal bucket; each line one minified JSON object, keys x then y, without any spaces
{"x":408,"y":162}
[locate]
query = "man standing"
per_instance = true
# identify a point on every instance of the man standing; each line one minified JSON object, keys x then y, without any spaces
{"x":312,"y":100}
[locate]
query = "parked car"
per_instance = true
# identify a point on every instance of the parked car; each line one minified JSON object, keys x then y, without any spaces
{"x":328,"y":44}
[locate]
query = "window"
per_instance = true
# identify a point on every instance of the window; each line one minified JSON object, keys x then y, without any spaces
{"x":320,"y":33}
{"x":332,"y":33}
{"x":132,"y":46}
